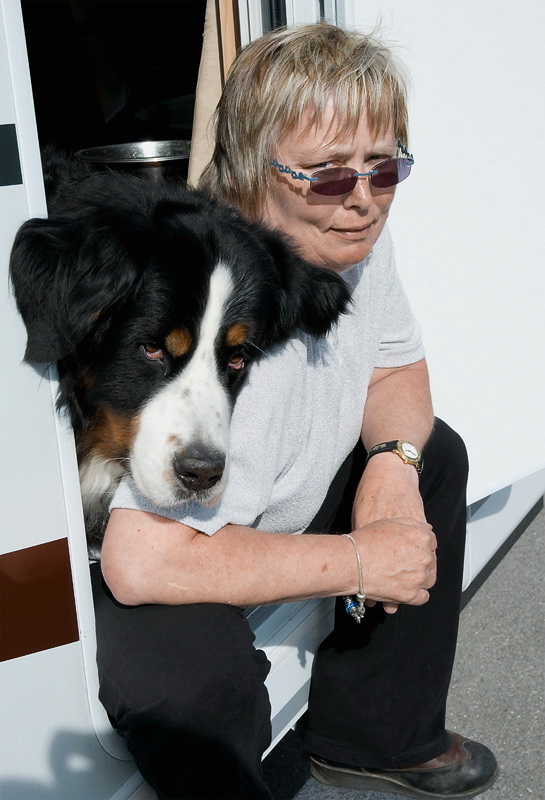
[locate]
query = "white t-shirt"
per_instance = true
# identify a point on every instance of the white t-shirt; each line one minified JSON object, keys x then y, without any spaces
{"x":300,"y":413}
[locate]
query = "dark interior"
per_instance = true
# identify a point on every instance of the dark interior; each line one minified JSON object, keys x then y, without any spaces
{"x":113,"y":71}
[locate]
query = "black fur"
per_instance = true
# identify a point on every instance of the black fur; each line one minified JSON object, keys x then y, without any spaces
{"x":121,"y":261}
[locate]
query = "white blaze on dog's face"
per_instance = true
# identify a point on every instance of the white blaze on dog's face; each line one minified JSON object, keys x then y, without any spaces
{"x":180,"y":449}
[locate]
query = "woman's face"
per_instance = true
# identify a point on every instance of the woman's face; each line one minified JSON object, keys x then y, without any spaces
{"x":332,"y":232}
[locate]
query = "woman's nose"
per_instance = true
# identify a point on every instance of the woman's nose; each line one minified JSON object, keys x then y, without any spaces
{"x":361,"y":194}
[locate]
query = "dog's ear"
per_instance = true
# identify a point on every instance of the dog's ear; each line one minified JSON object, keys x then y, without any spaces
{"x":311,"y":298}
{"x":65,"y":277}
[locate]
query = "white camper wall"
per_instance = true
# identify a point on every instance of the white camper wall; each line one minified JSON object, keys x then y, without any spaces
{"x":49,"y":743}
{"x":468,"y":223}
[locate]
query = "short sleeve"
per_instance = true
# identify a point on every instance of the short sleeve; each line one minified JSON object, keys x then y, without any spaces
{"x":400,"y":340}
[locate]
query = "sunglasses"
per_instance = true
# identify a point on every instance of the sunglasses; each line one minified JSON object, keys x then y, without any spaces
{"x":334,"y":181}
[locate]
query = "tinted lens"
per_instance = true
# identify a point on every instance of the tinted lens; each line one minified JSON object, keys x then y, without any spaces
{"x":390,"y":173}
{"x":334,"y":181}
{"x":341,"y":180}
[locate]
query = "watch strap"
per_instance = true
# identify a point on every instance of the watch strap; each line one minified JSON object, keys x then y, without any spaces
{"x":396,"y":446}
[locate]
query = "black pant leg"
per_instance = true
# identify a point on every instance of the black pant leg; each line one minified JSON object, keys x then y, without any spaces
{"x":185,"y":686}
{"x":379,"y":689}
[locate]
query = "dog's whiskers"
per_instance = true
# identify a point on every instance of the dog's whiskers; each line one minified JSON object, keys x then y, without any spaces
{"x":253,"y":344}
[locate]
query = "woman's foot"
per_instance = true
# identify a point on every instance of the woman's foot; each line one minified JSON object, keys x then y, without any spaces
{"x":463,"y":771}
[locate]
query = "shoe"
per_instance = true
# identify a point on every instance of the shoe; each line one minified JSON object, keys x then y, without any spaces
{"x":465,"y":770}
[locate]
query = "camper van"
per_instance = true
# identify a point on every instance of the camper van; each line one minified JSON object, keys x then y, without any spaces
{"x":87,"y":75}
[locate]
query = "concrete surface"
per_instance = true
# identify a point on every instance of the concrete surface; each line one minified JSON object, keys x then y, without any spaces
{"x":498,"y":682}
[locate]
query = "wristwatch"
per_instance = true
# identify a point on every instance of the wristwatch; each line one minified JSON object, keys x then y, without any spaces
{"x":407,"y":452}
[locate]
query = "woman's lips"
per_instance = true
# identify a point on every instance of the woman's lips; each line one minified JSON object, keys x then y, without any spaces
{"x":353,"y":233}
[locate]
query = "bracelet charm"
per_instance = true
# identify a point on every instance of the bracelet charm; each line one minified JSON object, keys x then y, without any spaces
{"x":355,"y":606}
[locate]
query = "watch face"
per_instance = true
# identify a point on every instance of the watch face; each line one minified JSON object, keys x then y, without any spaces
{"x":410,"y":450}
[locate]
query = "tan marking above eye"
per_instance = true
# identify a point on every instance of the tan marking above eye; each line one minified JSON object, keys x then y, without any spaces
{"x":237,"y":334}
{"x":178,"y":342}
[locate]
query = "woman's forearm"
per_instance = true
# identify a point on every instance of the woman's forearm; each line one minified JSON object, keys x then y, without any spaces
{"x":150,"y":559}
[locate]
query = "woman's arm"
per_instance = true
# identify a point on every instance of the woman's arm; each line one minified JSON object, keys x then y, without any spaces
{"x":398,"y":406}
{"x":151,"y":559}
{"x":398,"y":399}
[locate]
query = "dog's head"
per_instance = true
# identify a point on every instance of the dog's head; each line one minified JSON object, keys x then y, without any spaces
{"x":155,"y":300}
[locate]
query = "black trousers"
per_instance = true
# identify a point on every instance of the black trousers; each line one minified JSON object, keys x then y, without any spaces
{"x":185,"y":685}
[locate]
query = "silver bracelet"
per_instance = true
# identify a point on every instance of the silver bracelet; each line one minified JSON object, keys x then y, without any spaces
{"x":356,"y":606}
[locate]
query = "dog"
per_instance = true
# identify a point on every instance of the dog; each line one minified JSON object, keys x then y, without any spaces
{"x":154,"y":300}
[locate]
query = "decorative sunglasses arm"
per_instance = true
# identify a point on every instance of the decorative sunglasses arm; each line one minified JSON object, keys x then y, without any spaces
{"x":409,"y":156}
{"x":298,"y":176}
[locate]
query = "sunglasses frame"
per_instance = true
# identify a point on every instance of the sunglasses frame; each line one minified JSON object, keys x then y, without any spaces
{"x":350,"y":179}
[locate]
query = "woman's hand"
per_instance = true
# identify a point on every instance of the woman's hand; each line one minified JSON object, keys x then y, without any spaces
{"x":398,"y":561}
{"x":388,"y":490}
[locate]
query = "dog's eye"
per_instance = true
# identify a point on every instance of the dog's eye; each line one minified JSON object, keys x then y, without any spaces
{"x":152,"y":352}
{"x":236,"y":362}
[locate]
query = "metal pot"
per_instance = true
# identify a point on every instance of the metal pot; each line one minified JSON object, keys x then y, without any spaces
{"x":154,"y":160}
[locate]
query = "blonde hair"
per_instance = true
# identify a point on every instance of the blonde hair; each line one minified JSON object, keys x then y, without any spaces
{"x":280,"y":76}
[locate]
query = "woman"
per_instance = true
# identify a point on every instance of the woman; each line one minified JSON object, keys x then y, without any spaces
{"x":311,"y":139}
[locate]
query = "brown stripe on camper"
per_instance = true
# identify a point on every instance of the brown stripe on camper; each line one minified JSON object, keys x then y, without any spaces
{"x":37,"y":600}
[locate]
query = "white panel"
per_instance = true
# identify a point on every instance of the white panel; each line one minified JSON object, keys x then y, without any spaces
{"x":144,"y":792}
{"x":253,"y":20}
{"x":243,"y":22}
{"x":289,"y":635}
{"x":24,"y":108}
{"x":32,"y":500}
{"x":492,"y":520}
{"x":110,"y":741}
{"x":51,"y":752}
{"x":7,"y":110}
{"x":59,"y":754}
{"x":301,"y":12}
{"x":330,"y":12}
{"x":350,"y":14}
{"x":468,"y":223}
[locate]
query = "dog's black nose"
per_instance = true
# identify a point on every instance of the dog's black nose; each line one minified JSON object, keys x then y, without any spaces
{"x":199,"y":470}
